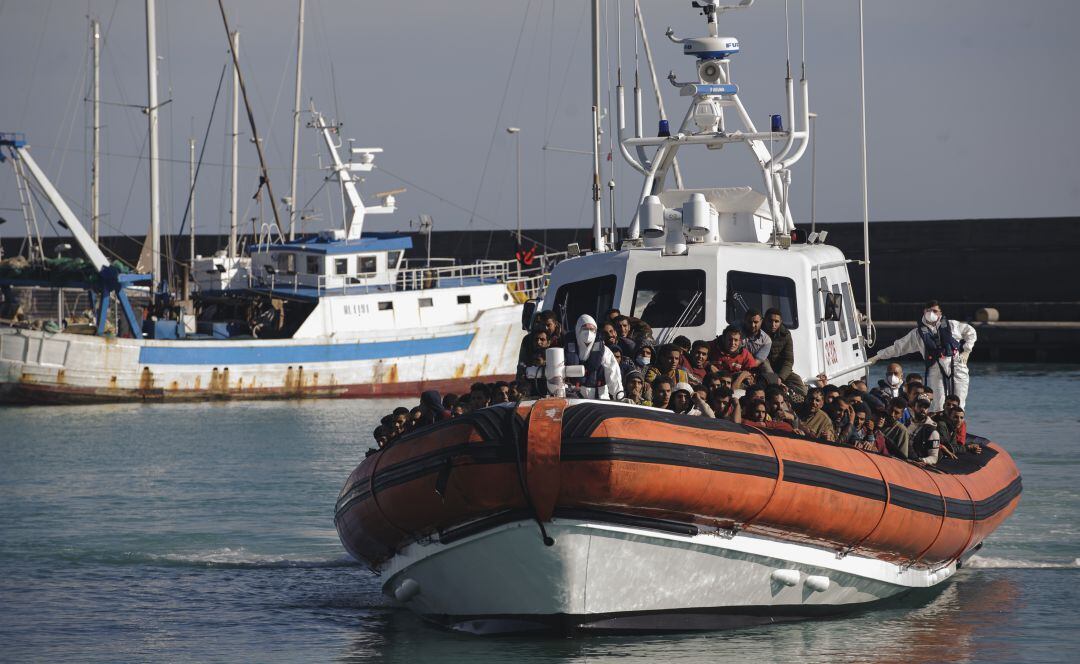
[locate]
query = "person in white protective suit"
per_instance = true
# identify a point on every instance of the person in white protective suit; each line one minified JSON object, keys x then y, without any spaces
{"x":602,"y":379}
{"x":945,"y":346}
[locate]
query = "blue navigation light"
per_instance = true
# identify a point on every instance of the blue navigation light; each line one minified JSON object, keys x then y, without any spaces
{"x":777,"y":122}
{"x":665,"y":129}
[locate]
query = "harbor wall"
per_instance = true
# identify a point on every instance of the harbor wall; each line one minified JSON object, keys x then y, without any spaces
{"x":1024,"y":268}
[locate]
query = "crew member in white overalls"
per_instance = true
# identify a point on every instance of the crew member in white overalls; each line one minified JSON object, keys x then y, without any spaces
{"x":945,"y":346}
{"x":603,"y":379}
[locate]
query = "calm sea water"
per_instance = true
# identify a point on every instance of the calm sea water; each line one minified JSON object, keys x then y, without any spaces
{"x":204,"y":532}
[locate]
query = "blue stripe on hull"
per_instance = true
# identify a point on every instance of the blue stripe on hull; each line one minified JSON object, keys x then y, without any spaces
{"x":232,"y":353}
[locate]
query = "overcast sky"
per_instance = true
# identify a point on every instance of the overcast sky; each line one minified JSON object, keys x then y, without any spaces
{"x":971,"y":104}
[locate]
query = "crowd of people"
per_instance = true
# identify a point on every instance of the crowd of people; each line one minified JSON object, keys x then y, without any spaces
{"x":744,"y":375}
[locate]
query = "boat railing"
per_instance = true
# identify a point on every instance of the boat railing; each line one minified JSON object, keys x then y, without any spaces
{"x":417,"y":263}
{"x":529,"y":281}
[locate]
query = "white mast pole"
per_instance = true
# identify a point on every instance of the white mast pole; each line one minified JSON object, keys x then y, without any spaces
{"x":598,"y":241}
{"x":191,"y":205}
{"x":865,"y":185}
{"x":233,"y":211}
{"x":296,"y":121}
{"x":95,"y":164}
{"x":152,"y":119}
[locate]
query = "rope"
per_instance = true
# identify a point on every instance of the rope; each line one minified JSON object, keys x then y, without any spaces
{"x":498,"y":117}
{"x":198,"y":165}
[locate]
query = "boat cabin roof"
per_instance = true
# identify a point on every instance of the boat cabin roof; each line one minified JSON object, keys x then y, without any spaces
{"x":318,"y":244}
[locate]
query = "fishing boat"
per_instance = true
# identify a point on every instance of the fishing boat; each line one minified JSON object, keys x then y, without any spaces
{"x":338,"y":313}
{"x":570,"y":514}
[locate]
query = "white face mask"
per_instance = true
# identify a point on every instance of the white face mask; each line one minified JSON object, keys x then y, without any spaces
{"x":585,"y":336}
{"x":893,"y":380}
{"x":643,"y":360}
{"x":930,"y":317}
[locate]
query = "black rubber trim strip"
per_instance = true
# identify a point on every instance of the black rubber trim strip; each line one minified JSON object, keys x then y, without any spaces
{"x":835,"y":480}
{"x":582,"y":419}
{"x":631,"y":520}
{"x":917,"y":501}
{"x":672,"y":454}
{"x":643,"y":451}
{"x":430,"y":463}
{"x":471,"y":528}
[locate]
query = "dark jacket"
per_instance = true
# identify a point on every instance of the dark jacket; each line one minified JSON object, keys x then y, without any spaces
{"x":431,"y":404}
{"x":782,"y":354}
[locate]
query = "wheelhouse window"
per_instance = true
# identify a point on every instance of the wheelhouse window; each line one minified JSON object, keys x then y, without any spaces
{"x":392,"y":259}
{"x":314,"y":265}
{"x":285,"y":262}
{"x":341,"y":266}
{"x":365,"y":265}
{"x":670,"y":298}
{"x":749,"y":290}
{"x":591,"y":296}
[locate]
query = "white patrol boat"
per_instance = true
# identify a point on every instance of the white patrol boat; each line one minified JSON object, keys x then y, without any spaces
{"x":339,"y":314}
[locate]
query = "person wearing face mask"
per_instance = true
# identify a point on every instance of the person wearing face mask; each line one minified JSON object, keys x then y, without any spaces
{"x":645,"y":351}
{"x":602,"y":379}
{"x":888,"y":388}
{"x":945,"y":346}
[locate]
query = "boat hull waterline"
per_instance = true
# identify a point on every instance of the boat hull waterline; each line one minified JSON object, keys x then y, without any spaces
{"x":655,"y":516}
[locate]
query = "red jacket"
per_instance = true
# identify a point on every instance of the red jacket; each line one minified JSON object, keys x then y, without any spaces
{"x":742,"y":360}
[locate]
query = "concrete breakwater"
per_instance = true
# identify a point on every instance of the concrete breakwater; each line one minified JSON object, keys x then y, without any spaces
{"x":1024,"y":268}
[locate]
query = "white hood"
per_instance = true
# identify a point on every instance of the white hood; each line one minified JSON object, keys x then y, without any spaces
{"x":584,"y":338}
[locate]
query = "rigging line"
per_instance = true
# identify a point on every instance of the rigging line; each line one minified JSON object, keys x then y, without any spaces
{"x":498,"y":117}
{"x":530,"y":60}
{"x":547,"y":114}
{"x":787,"y":36}
{"x":134,"y":177}
{"x":318,"y":191}
{"x":71,"y":106}
{"x":33,"y":64}
{"x":566,"y":74}
{"x":447,"y":201}
{"x":120,"y":86}
{"x":198,"y":165}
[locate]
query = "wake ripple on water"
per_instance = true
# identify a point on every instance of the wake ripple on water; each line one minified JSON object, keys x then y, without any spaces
{"x":224,"y":557}
{"x":980,"y":562}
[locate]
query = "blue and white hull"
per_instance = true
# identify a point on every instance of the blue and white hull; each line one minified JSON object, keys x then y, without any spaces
{"x":389,"y":352}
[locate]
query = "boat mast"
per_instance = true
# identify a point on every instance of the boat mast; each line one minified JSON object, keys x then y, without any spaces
{"x":264,"y":172}
{"x":235,"y":138}
{"x":95,"y":164}
{"x":598,"y":240}
{"x":296,"y":121}
{"x":152,"y":120}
